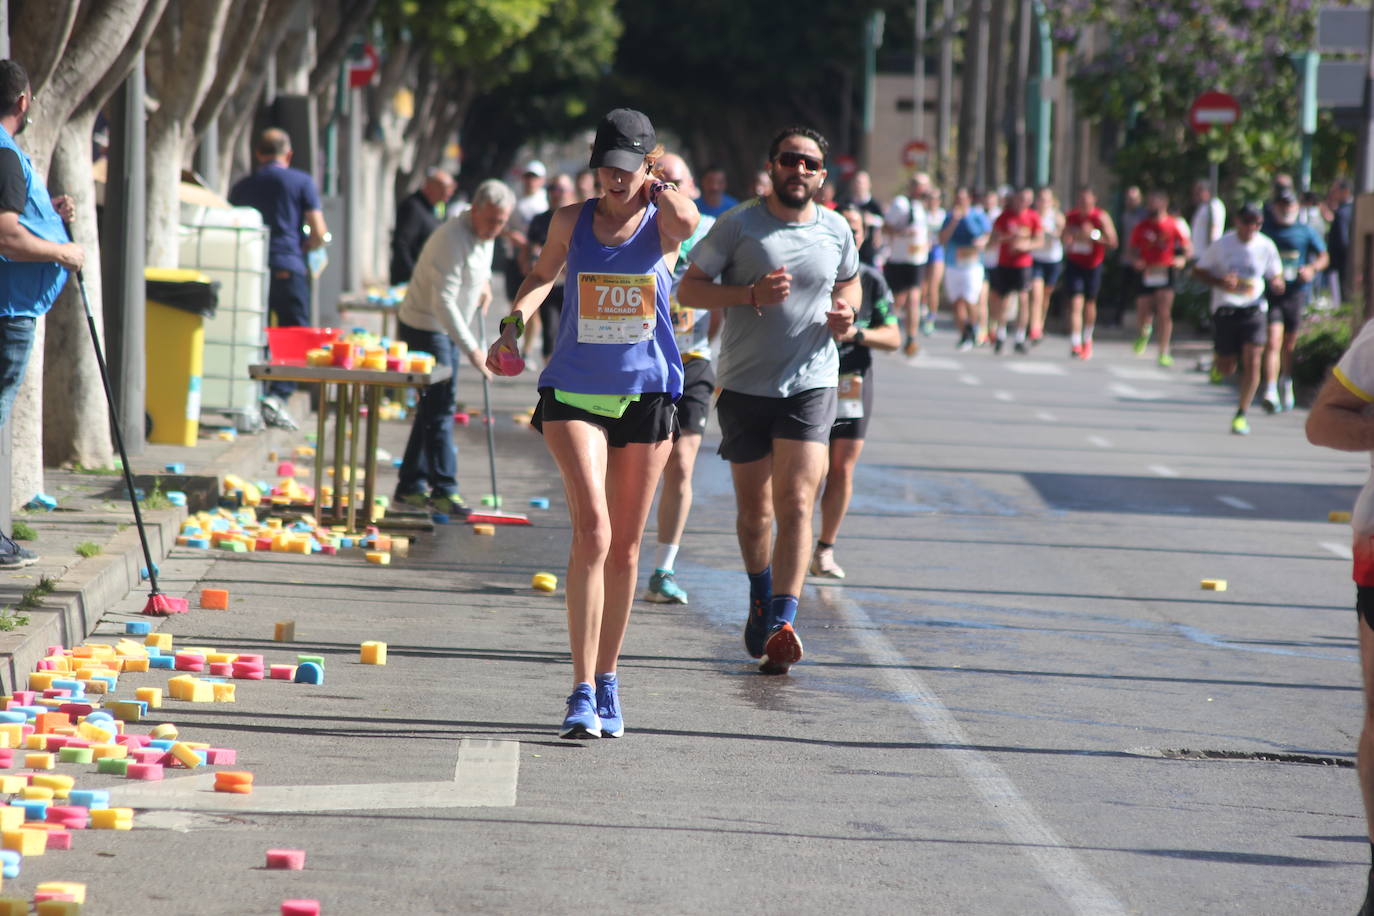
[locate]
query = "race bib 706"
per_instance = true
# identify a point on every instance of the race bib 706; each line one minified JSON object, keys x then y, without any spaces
{"x":616,"y":308}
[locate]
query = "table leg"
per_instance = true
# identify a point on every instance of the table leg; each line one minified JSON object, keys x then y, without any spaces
{"x":340,"y":427}
{"x":355,"y":413}
{"x":374,"y":409}
{"x":320,"y":450}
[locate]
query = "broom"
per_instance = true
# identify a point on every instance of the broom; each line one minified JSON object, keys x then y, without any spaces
{"x":158,"y":604}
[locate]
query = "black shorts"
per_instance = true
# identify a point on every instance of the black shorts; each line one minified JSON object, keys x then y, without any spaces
{"x":1288,"y":308}
{"x":653,"y":418}
{"x":854,"y":427}
{"x":1082,"y":281}
{"x":698,"y":384}
{"x":1233,"y":328}
{"x":1007,"y":280}
{"x":1143,"y":290}
{"x":749,"y":423}
{"x":1364,"y":604}
{"x":902,"y":277}
{"x":1048,"y":271}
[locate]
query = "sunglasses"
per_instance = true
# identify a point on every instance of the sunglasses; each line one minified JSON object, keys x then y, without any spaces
{"x":797,"y":160}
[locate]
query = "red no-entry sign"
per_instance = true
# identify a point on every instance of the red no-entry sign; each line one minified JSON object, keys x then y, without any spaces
{"x":1213,"y":109}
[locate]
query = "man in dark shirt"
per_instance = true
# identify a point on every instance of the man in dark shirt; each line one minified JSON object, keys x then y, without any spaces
{"x":561,"y":193}
{"x":35,"y":257}
{"x":289,"y":204}
{"x":1338,"y":237}
{"x":416,"y":217}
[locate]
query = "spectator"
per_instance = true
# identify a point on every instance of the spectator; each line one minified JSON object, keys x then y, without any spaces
{"x":1338,"y":201}
{"x":416,"y":217}
{"x":37,"y":257}
{"x":713,"y":200}
{"x":1209,"y":218}
{"x":288,"y":200}
{"x":763,"y":184}
{"x":861,"y":197}
{"x":587,"y":186}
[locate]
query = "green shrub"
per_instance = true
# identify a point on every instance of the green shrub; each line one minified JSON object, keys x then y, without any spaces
{"x":1320,"y":345}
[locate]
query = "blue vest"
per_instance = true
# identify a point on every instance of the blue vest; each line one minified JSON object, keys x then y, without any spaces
{"x":29,"y":288}
{"x":611,"y":338}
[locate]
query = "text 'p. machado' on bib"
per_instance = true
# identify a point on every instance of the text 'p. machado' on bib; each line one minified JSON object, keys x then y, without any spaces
{"x":616,"y":308}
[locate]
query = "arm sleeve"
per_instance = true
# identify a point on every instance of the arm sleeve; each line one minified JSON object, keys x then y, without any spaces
{"x":13,"y":192}
{"x":1275,"y":266}
{"x":849,"y":252}
{"x":1355,"y":370}
{"x":712,"y":253}
{"x":310,"y":198}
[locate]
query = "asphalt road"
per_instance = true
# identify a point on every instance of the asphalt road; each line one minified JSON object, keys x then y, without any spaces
{"x":1018,"y":701}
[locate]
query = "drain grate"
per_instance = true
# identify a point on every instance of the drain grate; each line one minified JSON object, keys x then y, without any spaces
{"x":1184,"y":753}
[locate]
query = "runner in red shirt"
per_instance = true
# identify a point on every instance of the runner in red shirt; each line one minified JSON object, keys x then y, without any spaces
{"x":1157,"y":248}
{"x":1016,"y":233}
{"x":1088,"y":233}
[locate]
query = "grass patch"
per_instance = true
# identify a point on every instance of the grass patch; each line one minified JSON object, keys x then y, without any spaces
{"x":88,"y":549}
{"x":156,"y":499}
{"x":23,"y":531}
{"x":33,"y":597}
{"x":12,"y":620}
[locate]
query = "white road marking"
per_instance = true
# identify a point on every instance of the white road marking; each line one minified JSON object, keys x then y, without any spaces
{"x":935,"y":362}
{"x":485,"y":777}
{"x":1002,"y":396}
{"x":1139,"y":374}
{"x":1132,"y":393}
{"x":1339,"y":549}
{"x":1046,"y":416}
{"x":1033,"y":367}
{"x":1060,"y":866}
{"x":1235,"y":502}
{"x":1162,"y":470}
{"x":970,"y":379}
{"x":1100,"y":442}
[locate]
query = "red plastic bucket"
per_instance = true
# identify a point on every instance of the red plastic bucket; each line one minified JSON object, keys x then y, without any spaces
{"x":289,"y":345}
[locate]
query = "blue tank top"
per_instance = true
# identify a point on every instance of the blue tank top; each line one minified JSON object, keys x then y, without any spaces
{"x":616,"y":332}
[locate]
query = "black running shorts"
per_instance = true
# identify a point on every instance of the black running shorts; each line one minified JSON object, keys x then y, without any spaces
{"x":1007,"y":280}
{"x":1233,"y":328}
{"x":653,"y":418}
{"x":749,"y":423}
{"x":698,"y":384}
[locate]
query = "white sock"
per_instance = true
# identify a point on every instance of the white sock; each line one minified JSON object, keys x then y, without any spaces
{"x":1088,"y":332}
{"x":665,"y":556}
{"x":1076,"y":339}
{"x":1020,"y":335}
{"x":1272,"y":388}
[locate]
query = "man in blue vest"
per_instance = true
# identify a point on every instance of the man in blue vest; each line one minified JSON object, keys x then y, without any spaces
{"x":35,"y":256}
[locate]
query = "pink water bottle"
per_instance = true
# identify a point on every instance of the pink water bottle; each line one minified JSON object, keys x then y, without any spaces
{"x":511,"y":363}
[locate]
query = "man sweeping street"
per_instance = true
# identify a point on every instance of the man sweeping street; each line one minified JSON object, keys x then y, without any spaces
{"x":38,"y":257}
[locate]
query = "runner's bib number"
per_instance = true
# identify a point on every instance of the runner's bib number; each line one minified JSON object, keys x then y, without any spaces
{"x":1155,"y":277}
{"x":616,"y":308}
{"x":850,"y":403}
{"x":1290,"y":265}
{"x":1081,"y":247}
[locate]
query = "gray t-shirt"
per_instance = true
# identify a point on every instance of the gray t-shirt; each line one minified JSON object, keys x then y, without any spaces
{"x":787,"y":349}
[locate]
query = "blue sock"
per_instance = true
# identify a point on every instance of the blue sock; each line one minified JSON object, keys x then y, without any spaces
{"x":761,"y":585}
{"x":783,"y":609}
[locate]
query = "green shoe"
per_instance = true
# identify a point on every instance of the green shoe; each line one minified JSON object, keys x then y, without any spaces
{"x":1215,"y":376}
{"x":418,"y":500}
{"x":663,"y":588}
{"x":1141,"y":342}
{"x":1240,"y":426}
{"x":1165,"y":360}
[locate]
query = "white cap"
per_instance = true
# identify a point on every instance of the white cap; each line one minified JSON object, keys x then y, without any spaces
{"x":535,"y":167}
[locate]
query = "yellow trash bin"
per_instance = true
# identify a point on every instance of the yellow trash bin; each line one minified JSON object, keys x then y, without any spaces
{"x":174,"y":344}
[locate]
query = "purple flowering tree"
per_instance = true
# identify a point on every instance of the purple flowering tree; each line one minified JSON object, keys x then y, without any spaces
{"x":1158,"y":57}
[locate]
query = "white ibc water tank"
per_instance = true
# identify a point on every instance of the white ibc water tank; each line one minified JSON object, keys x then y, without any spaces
{"x":230,"y":245}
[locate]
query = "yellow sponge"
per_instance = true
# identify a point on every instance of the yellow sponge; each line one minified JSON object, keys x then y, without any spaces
{"x":1214,"y":585}
{"x":1337,"y":516}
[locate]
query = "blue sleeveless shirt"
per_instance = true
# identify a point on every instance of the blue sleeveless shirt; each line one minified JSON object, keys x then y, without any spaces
{"x":616,"y":331}
{"x":29,"y":288}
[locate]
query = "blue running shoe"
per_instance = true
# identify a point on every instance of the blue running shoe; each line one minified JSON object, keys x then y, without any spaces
{"x":663,"y":588}
{"x":608,"y":706}
{"x":782,"y":650}
{"x":581,"y":720}
{"x":756,"y":627}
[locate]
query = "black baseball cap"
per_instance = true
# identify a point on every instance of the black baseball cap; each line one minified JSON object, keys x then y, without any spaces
{"x":623,"y":138}
{"x":1284,"y":195}
{"x":1250,"y":213}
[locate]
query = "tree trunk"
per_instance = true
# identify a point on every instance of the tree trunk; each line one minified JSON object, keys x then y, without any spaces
{"x":999,"y":32}
{"x":76,"y":429}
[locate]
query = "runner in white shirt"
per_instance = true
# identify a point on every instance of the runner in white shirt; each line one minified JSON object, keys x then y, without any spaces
{"x":1047,"y":262}
{"x":935,"y":266}
{"x":1237,"y":266}
{"x":907,"y":228}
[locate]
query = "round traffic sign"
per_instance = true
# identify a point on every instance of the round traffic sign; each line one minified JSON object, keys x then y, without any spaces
{"x":914,"y":153}
{"x":1213,"y":108}
{"x":361,"y":69}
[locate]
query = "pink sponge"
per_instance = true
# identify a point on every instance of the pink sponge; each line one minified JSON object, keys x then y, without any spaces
{"x":300,"y":908}
{"x":144,"y":771}
{"x":291,"y":859}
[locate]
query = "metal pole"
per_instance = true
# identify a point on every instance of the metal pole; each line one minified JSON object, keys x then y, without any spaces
{"x":980,"y":97}
{"x":1308,"y":125}
{"x":1366,"y":175}
{"x":1041,"y":106}
{"x":1023,"y":98}
{"x":945,"y":116}
{"x":125,"y":228}
{"x":918,"y":108}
